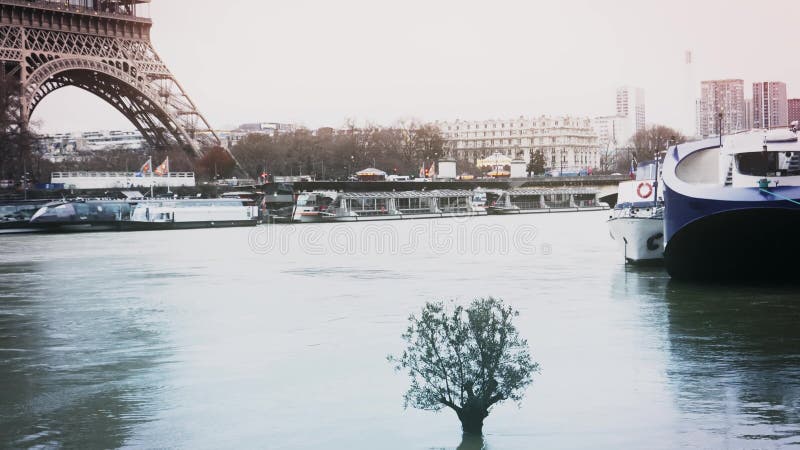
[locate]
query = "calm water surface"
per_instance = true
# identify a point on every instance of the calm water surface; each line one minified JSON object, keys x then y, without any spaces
{"x":276,"y":338}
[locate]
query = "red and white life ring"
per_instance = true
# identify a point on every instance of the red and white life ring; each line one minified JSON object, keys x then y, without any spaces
{"x":646,"y":187}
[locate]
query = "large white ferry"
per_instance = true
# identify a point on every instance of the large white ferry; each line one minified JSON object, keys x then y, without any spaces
{"x":637,"y":221}
{"x":733,"y":207}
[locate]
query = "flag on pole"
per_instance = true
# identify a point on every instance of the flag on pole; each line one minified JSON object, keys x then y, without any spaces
{"x":146,"y":168}
{"x":163,"y":169}
{"x":432,"y":171}
{"x":422,"y":170}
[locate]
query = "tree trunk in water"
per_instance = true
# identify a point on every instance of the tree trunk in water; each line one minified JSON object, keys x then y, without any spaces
{"x":472,"y":421}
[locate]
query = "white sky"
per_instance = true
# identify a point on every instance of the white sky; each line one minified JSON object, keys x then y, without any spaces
{"x":318,"y":62}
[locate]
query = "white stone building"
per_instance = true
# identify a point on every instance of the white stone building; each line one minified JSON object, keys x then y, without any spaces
{"x":568,"y":143}
{"x":613,"y":132}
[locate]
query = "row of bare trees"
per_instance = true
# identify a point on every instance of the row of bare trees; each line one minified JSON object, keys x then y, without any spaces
{"x":337,"y":154}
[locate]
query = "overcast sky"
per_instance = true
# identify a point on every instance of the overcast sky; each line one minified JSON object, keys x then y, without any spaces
{"x":318,"y":62}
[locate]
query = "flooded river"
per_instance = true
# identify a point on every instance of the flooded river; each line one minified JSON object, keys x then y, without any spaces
{"x":277,"y":337}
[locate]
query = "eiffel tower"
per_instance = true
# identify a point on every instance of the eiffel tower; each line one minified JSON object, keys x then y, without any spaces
{"x":103,"y":47}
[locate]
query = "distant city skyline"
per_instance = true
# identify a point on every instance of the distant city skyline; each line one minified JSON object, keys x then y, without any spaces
{"x":318,"y":64}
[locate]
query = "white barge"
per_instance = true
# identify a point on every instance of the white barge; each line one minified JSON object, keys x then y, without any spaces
{"x":133,"y":215}
{"x":547,"y":200}
{"x":364,"y":206}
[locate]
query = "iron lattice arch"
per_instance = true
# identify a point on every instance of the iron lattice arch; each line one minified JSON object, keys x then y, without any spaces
{"x":109,"y":55}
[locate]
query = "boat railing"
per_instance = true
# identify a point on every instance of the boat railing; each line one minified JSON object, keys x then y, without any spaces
{"x":412,"y":211}
{"x":532,"y":204}
{"x":455,"y":209}
{"x":372,"y":212}
{"x":62,"y":175}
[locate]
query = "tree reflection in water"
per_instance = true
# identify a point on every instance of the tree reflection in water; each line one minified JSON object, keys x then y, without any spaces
{"x":472,"y":442}
{"x":736,"y":358}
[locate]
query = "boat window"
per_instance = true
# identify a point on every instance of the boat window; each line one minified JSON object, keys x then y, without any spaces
{"x":302,"y":200}
{"x":65,"y":210}
{"x":558,"y":200}
{"x":81,"y":209}
{"x":527,"y":201}
{"x":308,"y":200}
{"x":759,"y":164}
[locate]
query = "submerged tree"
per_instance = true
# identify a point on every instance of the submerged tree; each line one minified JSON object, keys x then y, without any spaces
{"x":467,"y":359}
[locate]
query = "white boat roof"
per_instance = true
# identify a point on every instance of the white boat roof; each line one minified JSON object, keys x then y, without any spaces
{"x":552,"y":191}
{"x":777,"y":140}
{"x":437,"y":193}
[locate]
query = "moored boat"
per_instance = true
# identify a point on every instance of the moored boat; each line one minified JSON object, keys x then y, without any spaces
{"x":133,"y":215}
{"x":192,"y":213}
{"x":366,"y":206}
{"x":528,"y":200}
{"x":311,"y":206}
{"x":733,"y":210}
{"x":15,"y":216}
{"x":637,"y":221}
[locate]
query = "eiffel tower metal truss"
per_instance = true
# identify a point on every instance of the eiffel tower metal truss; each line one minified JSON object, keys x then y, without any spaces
{"x":103,"y":47}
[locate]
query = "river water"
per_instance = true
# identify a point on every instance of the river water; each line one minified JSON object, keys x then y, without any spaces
{"x":277,"y":337}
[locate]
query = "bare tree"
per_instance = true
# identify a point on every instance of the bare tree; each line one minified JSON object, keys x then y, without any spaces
{"x":608,"y":159}
{"x":654,"y":139}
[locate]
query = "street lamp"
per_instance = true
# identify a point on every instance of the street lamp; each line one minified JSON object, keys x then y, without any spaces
{"x":25,"y":179}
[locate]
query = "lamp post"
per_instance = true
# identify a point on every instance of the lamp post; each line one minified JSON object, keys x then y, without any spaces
{"x":25,"y":179}
{"x":719,"y":117}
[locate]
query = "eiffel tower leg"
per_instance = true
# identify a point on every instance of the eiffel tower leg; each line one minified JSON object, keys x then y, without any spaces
{"x":108,"y":53}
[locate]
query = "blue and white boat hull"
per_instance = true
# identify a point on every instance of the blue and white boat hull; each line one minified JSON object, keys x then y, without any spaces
{"x":727,"y":232}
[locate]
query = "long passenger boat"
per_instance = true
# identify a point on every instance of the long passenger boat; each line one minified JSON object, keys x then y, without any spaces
{"x":15,"y":216}
{"x":733,"y":207}
{"x":156,"y":214}
{"x":367,"y":206}
{"x":546,"y":200}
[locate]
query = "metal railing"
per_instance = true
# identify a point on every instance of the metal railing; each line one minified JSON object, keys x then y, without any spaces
{"x":62,"y":175}
{"x":84,"y":7}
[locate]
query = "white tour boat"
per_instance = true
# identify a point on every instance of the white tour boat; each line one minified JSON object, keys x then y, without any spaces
{"x":530,"y":200}
{"x":363,"y":206}
{"x":637,"y":222}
